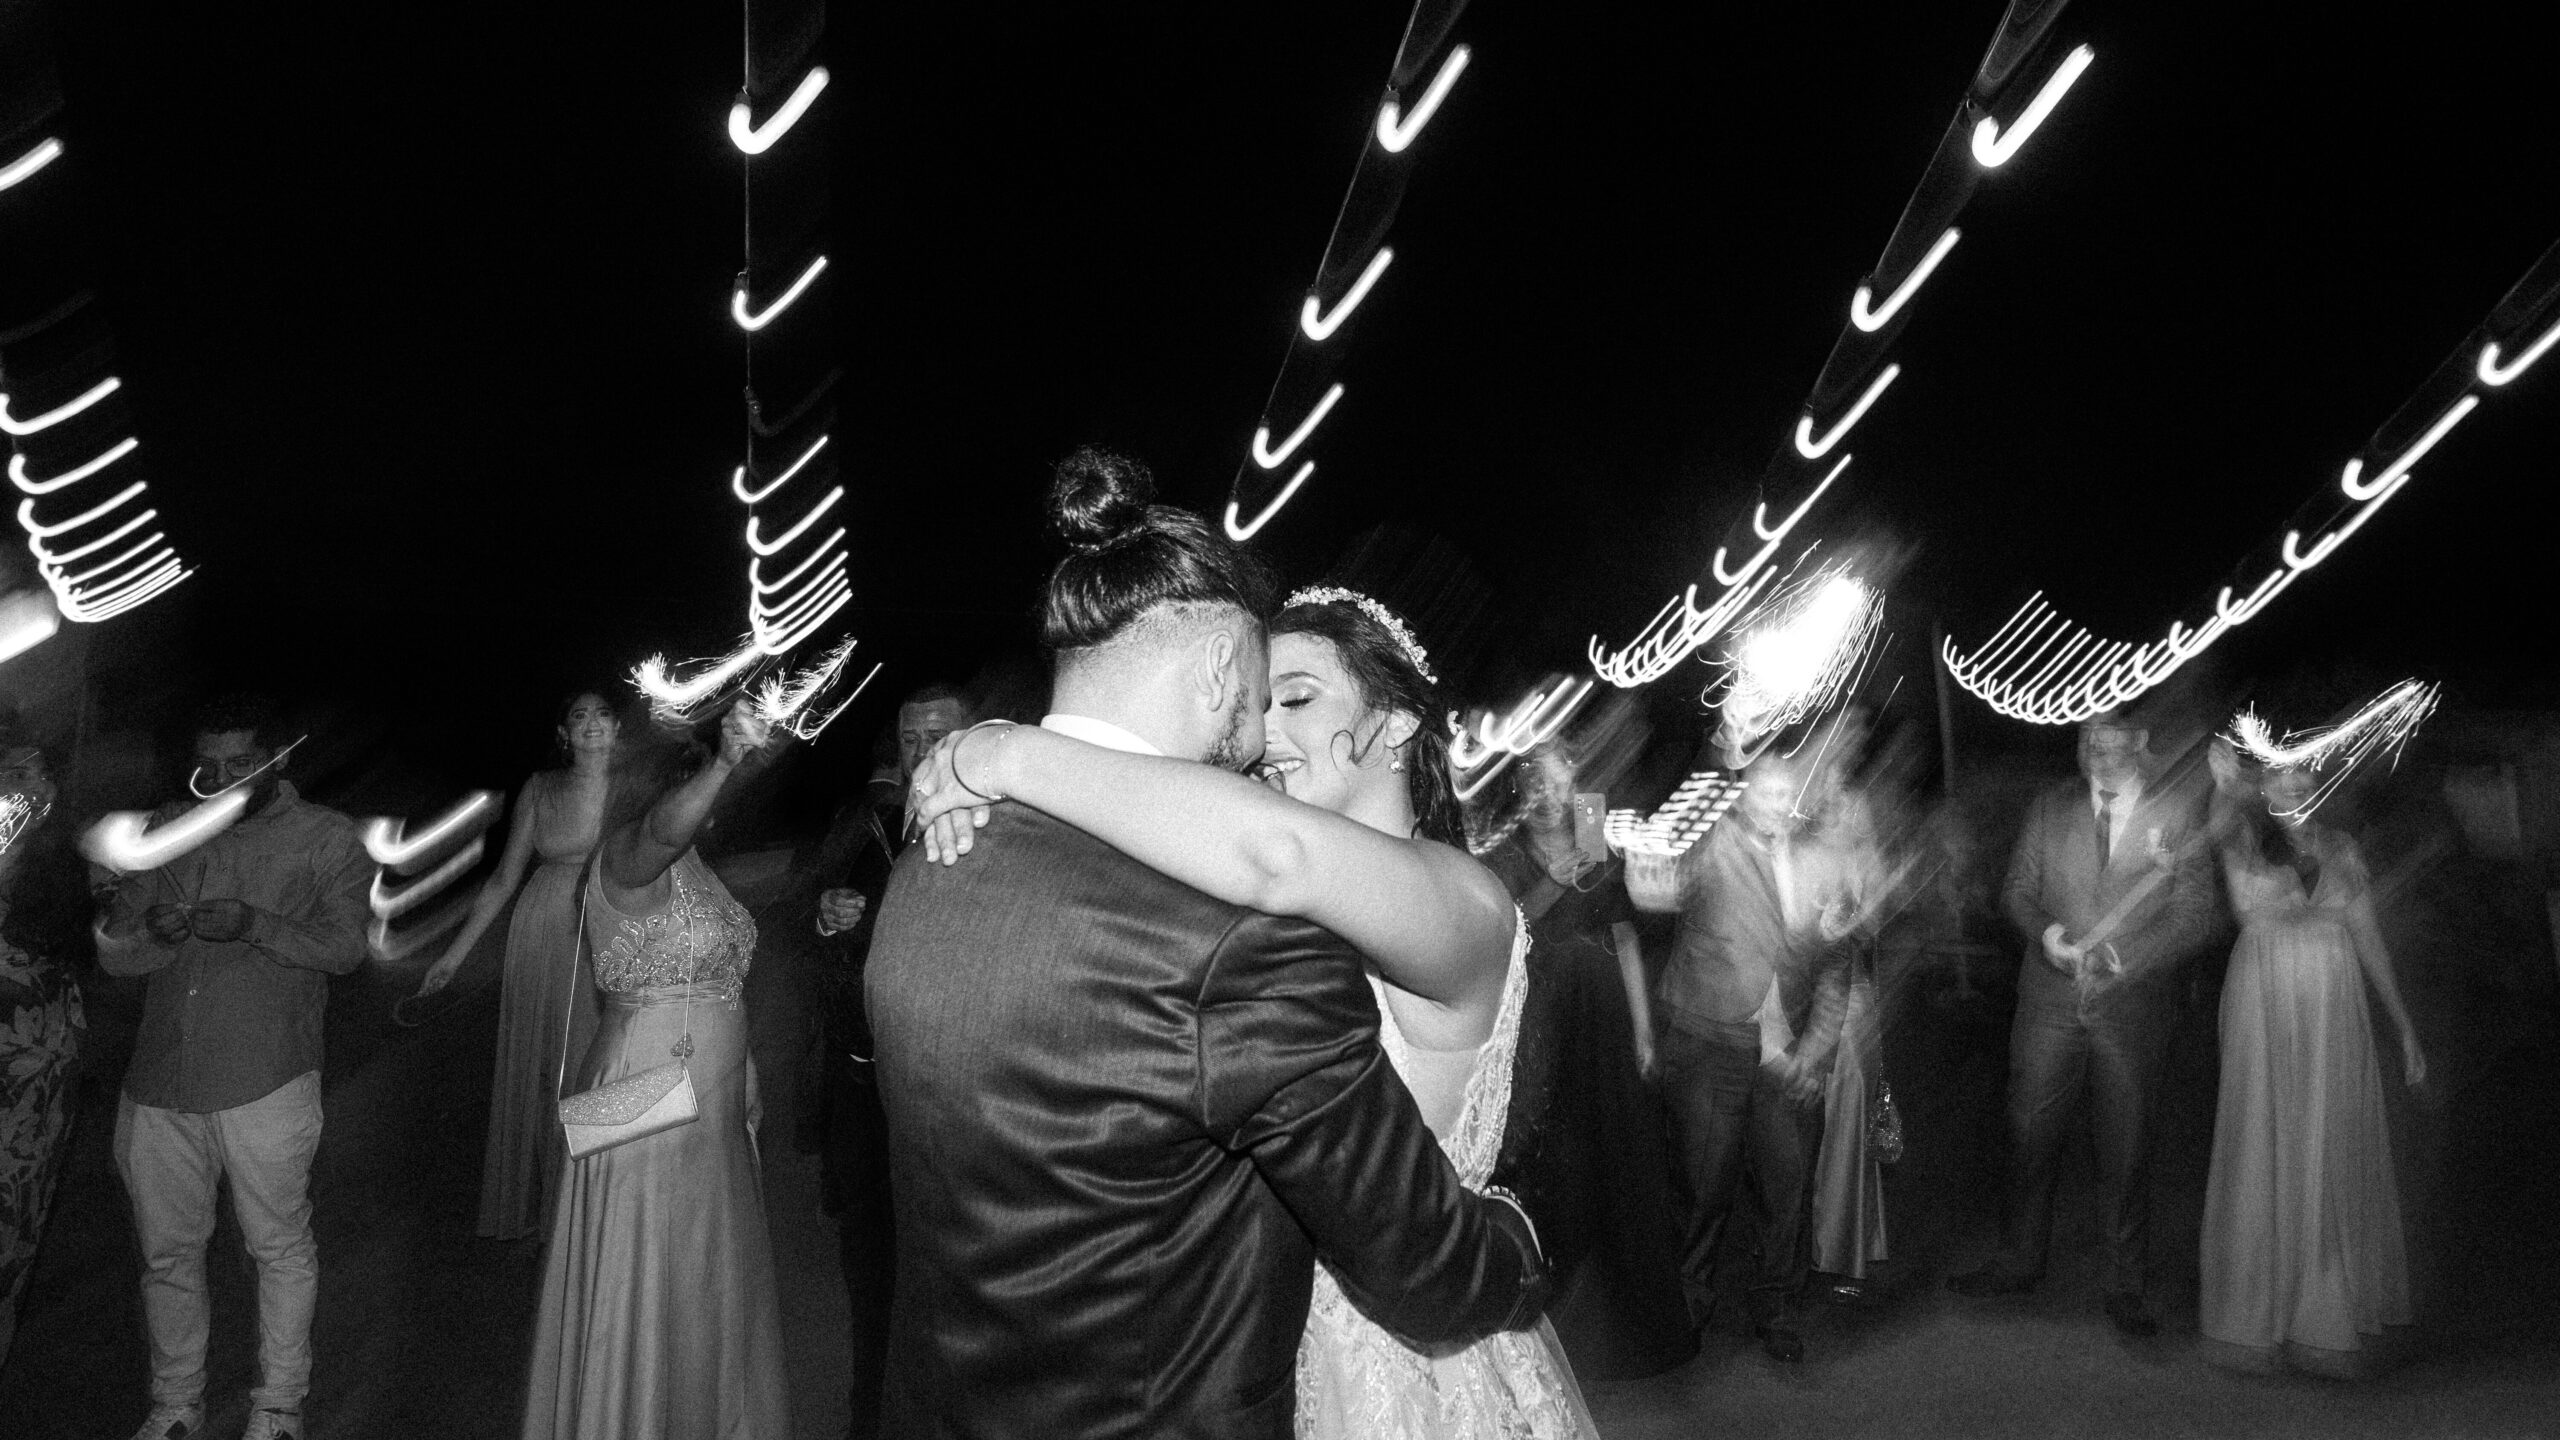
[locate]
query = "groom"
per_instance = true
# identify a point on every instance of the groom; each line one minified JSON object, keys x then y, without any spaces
{"x":1125,"y":1119}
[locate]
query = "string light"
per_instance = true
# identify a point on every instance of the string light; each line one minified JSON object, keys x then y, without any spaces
{"x":1319,"y":324}
{"x":56,"y":416}
{"x":73,"y":476}
{"x":1270,"y":459}
{"x":2357,"y":489}
{"x":1397,"y":130}
{"x":1872,"y":320}
{"x":2494,"y":374}
{"x":46,"y":151}
{"x":738,"y":482}
{"x":766,"y":549}
{"x":1262,"y":517}
{"x":1813,"y":449}
{"x":754,"y":320}
{"x":2385,"y":724}
{"x":390,"y":844}
{"x":1992,"y":149}
{"x":754,"y":139}
{"x":1680,"y":628}
{"x":1486,"y":751}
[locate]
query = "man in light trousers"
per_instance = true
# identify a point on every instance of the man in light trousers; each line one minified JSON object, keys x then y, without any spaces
{"x":239,"y":937}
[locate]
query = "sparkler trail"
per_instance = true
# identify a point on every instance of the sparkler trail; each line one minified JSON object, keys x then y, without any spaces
{"x":125,"y":841}
{"x":389,"y":904}
{"x":2091,"y":675}
{"x":1798,"y":654}
{"x":391,"y":845}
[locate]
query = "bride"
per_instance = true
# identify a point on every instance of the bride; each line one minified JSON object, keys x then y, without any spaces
{"x":1365,"y":842}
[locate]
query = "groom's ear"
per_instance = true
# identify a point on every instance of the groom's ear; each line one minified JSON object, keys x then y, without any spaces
{"x":1218,"y":672}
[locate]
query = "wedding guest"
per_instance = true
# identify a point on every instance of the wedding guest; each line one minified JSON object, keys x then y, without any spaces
{"x":659,"y":1318}
{"x":239,"y":937}
{"x":2303,"y":1261}
{"x":2113,"y":891}
{"x":1753,"y":999}
{"x":553,"y":828}
{"x":866,"y":840}
{"x":1845,"y":1230}
{"x":44,"y":942}
{"x":1579,"y":1107}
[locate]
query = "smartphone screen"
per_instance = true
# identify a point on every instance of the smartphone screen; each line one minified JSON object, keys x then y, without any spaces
{"x":1590,"y":835}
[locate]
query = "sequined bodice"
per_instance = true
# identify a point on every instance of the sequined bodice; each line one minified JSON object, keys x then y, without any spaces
{"x":700,"y":935}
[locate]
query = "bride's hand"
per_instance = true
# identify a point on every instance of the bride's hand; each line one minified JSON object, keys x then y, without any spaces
{"x":946,"y":810}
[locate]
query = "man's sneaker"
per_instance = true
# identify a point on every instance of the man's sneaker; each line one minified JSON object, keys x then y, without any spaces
{"x":274,"y":1425}
{"x":172,"y":1422}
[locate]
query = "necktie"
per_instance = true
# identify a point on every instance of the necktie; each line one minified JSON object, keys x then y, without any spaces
{"x":2106,"y":825}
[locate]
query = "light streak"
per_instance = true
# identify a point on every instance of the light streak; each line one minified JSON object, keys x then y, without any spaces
{"x":826,"y":577}
{"x":762,"y":586}
{"x":2386,"y":723}
{"x":738,"y":482}
{"x":1397,"y":130}
{"x":17,"y":815}
{"x":790,"y":705}
{"x":72,"y":476}
{"x":1992,"y":149}
{"x":37,"y":530}
{"x":46,"y":151}
{"x":272,"y":762}
{"x":392,"y":904}
{"x":1872,"y":320}
{"x":768,"y":548}
{"x":752,"y":321}
{"x":1813,"y":449}
{"x":1319,"y":324}
{"x":1262,"y":517}
{"x":120,"y":842}
{"x":1796,"y":655}
{"x":90,"y":609}
{"x":1680,"y":628}
{"x":1680,"y":822}
{"x":94,"y":571}
{"x":56,"y":416}
{"x":1493,"y":744}
{"x":389,"y":842}
{"x":671,"y":698}
{"x":1270,"y":459}
{"x":392,"y":949}
{"x":2492,"y":373}
{"x":2357,"y":489}
{"x":775,"y":640}
{"x":754,"y":139}
{"x":44,"y":556}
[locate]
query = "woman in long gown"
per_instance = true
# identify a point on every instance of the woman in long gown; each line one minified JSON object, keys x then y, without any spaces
{"x":659,"y":1317}
{"x":2303,"y":1261}
{"x":1365,"y":841}
{"x":557,"y":815}
{"x":1580,"y":1111}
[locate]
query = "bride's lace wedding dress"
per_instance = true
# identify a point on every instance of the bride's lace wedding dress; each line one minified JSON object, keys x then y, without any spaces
{"x":1356,"y":1381}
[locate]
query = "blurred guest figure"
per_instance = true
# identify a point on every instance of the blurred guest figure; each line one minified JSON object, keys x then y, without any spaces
{"x":659,"y":1319}
{"x":1846,"y":1229}
{"x":2112,"y":884}
{"x":239,"y":937}
{"x":856,"y":1141}
{"x":556,"y":818}
{"x":1754,"y":996}
{"x":2303,"y":1259}
{"x":44,"y":940}
{"x":1579,"y":1108}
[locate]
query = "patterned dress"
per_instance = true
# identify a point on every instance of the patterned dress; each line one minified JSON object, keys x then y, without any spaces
{"x":659,"y":1316}
{"x":1356,"y":1381}
{"x":43,"y":934}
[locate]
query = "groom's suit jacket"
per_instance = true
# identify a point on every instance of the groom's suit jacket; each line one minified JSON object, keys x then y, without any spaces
{"x":2054,"y":876}
{"x":1124,"y":1121}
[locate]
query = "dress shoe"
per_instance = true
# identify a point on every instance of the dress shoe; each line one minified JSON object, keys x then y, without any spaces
{"x":2131,"y":1316}
{"x":1781,"y":1341}
{"x":1990,"y":1280}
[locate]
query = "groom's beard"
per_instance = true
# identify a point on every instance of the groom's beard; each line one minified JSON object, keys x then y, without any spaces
{"x":1234,"y":749}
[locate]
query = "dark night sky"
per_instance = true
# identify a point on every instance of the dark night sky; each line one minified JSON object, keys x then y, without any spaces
{"x":424,"y":312}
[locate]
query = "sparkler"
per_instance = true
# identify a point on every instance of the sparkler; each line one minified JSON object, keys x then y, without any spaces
{"x":1679,"y":822}
{"x":1975,"y":144}
{"x":2384,"y":725}
{"x":2046,"y":670}
{"x":798,"y":703}
{"x":792,"y":705}
{"x":18,"y":815}
{"x":1799,"y":653}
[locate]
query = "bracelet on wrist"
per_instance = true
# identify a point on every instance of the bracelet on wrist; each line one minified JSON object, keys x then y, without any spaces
{"x":1005,"y":727}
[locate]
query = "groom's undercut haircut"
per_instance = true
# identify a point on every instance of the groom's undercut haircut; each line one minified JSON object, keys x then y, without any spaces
{"x":1133,"y":566}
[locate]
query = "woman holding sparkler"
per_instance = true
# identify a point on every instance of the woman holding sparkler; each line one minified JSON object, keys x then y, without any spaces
{"x":2303,"y":1258}
{"x":557,"y":816}
{"x":44,"y":939}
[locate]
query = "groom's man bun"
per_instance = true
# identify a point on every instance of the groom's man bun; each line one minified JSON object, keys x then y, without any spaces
{"x":1129,"y":557}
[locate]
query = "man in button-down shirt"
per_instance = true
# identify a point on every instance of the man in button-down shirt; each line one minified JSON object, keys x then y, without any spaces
{"x":239,"y":937}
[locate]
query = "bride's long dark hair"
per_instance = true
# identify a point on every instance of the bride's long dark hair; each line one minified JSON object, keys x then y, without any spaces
{"x":1389,"y":683}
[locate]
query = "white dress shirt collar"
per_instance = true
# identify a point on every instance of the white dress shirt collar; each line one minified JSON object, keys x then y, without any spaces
{"x":1097,"y":732}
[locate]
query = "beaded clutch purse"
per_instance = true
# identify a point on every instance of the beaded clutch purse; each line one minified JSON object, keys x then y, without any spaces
{"x":659,"y":1098}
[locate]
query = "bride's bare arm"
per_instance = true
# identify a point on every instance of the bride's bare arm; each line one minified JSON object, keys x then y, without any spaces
{"x":1437,"y":923}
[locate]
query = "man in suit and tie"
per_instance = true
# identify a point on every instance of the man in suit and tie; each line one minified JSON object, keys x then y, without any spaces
{"x":1125,"y":1119}
{"x":1753,"y":998}
{"x":2112,"y":886}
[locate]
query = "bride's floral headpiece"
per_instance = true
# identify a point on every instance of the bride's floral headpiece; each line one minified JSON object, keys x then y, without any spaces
{"x":1387,"y":620}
